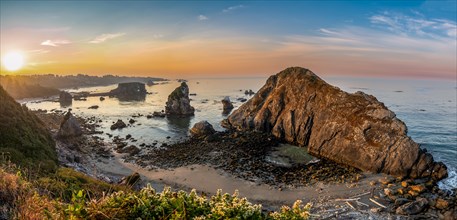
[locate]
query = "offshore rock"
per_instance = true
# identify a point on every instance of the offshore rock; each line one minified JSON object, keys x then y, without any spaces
{"x":297,"y":106}
{"x":69,"y":127}
{"x":227,"y":105}
{"x":178,"y":102}
{"x":65,"y":98}
{"x":129,"y":91}
{"x":118,"y":125}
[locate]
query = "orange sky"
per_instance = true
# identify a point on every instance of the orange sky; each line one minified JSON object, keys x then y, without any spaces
{"x":227,"y":41}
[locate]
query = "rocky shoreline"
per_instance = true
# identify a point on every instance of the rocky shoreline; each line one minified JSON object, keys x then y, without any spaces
{"x":242,"y":155}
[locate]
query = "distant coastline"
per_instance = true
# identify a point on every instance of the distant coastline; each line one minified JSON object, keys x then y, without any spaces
{"x":34,"y":86}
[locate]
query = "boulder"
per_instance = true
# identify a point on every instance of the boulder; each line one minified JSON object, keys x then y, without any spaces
{"x":158,"y":114}
{"x":69,"y":127}
{"x":93,"y":107}
{"x":129,"y":91}
{"x":202,"y":128}
{"x":65,"y":98}
{"x":178,"y":102}
{"x":249,"y":92}
{"x":227,"y":105}
{"x":118,"y":125}
{"x":357,"y":130}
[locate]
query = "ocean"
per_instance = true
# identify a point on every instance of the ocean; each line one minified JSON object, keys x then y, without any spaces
{"x":428,"y":107}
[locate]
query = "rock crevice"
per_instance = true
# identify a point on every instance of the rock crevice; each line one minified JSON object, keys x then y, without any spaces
{"x":297,"y":106}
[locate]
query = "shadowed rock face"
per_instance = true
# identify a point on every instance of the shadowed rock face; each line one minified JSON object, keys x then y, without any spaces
{"x":132,"y":91}
{"x":69,"y":127}
{"x":65,"y":99}
{"x":357,"y":130}
{"x":178,"y":102}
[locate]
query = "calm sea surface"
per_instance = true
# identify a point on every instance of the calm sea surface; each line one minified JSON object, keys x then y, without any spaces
{"x":428,"y":107}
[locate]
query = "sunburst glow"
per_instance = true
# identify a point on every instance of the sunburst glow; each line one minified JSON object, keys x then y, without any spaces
{"x":13,"y":61}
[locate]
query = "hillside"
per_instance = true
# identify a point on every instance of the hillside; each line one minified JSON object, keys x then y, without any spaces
{"x":24,"y":138}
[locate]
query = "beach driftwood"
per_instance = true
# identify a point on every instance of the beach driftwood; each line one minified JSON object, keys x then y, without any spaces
{"x":377,"y":203}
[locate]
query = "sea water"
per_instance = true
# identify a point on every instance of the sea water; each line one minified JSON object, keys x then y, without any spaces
{"x":428,"y":107}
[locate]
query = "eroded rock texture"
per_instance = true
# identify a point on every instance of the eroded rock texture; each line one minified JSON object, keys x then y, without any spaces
{"x":297,"y":106}
{"x":178,"y":102}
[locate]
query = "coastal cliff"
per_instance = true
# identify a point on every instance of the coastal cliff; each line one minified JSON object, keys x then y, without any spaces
{"x":24,"y":139}
{"x":297,"y":106}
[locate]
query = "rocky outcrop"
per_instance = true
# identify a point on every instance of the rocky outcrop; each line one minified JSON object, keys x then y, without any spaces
{"x":129,"y":91}
{"x":65,"y":98}
{"x":118,"y":125}
{"x":227,"y":105}
{"x":202,"y":128}
{"x":357,"y":130}
{"x":69,"y":127}
{"x":178,"y":102}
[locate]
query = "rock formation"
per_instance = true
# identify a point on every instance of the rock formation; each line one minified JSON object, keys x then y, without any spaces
{"x":129,"y":91}
{"x":69,"y":127}
{"x":357,"y":130}
{"x":178,"y":102}
{"x":202,"y":128}
{"x":65,"y":98}
{"x":118,"y":125}
{"x":227,"y":105}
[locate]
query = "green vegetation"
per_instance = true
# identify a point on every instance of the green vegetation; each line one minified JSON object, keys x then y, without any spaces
{"x":66,"y":181}
{"x":24,"y":138}
{"x":93,"y":199}
{"x":21,"y":199}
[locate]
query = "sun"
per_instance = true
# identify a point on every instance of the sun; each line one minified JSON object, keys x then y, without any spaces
{"x":13,"y":61}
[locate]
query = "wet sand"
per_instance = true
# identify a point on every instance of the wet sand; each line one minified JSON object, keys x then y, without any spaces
{"x":208,"y":180}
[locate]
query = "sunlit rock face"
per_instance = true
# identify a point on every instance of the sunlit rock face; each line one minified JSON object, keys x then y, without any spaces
{"x":297,"y":106}
{"x":132,"y":91}
{"x":179,"y":103}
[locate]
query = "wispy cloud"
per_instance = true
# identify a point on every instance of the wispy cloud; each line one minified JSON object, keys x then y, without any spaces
{"x":104,"y":37}
{"x":202,"y":18}
{"x":232,"y":8}
{"x":55,"y":43}
{"x":40,"y":51}
{"x":419,"y":25}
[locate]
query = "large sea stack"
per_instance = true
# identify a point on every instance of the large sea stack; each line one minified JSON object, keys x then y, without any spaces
{"x":297,"y":106}
{"x":178,"y":102}
{"x":129,"y":91}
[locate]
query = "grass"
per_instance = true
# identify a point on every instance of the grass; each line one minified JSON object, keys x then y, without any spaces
{"x":93,"y":199}
{"x":24,"y":138}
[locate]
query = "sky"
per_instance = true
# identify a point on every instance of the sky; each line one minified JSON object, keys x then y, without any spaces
{"x":187,"y":39}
